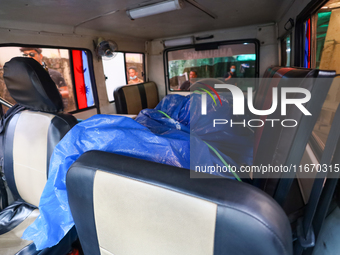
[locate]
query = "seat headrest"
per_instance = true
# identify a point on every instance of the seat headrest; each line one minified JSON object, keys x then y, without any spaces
{"x":30,"y":85}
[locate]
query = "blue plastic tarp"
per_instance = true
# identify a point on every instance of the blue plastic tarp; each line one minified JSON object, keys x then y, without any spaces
{"x":162,"y":135}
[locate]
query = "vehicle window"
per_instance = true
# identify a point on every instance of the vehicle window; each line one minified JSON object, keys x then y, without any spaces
{"x":69,"y":69}
{"x":323,"y":18}
{"x":322,"y":50}
{"x":123,"y":69}
{"x":186,"y":66}
{"x":286,"y":51}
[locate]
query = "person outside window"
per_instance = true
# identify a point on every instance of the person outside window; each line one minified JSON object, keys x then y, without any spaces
{"x":186,"y":85}
{"x":133,"y":73}
{"x":230,"y":74}
{"x":36,"y":53}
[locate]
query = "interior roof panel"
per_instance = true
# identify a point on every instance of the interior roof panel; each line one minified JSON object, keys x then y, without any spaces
{"x":187,"y":20}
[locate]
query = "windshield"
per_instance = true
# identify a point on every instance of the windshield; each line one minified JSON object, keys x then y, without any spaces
{"x":228,"y":63}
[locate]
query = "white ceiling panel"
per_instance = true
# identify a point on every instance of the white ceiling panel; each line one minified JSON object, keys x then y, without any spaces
{"x":187,"y":20}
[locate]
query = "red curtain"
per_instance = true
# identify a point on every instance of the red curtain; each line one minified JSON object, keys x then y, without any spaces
{"x":79,"y":78}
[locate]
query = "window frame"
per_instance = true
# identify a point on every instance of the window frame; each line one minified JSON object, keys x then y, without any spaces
{"x":282,"y":38}
{"x":208,"y":46}
{"x":305,"y":14}
{"x":90,"y":63}
{"x":126,"y":78}
{"x":308,"y":12}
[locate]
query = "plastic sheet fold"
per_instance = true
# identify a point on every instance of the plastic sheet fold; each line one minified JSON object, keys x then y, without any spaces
{"x":172,"y":133}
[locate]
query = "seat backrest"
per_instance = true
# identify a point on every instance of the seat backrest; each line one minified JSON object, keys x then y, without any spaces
{"x":127,"y":206}
{"x":131,"y":99}
{"x":31,"y":135}
{"x":280,"y":145}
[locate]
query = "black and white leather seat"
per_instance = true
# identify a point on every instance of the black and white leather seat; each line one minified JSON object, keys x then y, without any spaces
{"x":132,"y":99}
{"x":127,"y":206}
{"x":29,"y":138}
{"x":281,"y":146}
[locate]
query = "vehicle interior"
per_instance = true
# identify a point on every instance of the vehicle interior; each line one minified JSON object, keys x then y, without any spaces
{"x":72,"y":70}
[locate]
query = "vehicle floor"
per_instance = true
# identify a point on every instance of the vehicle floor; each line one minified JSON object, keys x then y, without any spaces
{"x":328,"y":240}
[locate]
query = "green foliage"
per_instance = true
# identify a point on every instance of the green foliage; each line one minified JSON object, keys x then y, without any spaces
{"x":207,"y":67}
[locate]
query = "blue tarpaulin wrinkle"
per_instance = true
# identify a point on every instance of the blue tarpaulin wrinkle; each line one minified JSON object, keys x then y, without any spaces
{"x":152,"y":136}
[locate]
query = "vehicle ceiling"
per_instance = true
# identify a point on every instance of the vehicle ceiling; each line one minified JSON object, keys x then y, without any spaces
{"x":69,"y":13}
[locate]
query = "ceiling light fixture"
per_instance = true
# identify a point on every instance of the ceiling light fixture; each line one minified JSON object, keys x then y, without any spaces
{"x":152,"y":9}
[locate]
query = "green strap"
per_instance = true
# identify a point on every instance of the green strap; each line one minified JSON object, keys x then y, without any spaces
{"x":213,"y":149}
{"x":223,"y":161}
{"x":166,"y":115}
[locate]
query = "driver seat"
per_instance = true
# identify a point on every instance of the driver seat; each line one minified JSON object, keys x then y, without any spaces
{"x":29,"y":137}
